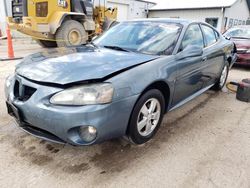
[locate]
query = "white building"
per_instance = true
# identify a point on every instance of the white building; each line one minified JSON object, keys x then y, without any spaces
{"x":129,"y":9}
{"x":2,"y":17}
{"x":222,"y":14}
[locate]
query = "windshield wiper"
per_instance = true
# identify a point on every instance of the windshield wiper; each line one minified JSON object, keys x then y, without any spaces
{"x":117,"y":48}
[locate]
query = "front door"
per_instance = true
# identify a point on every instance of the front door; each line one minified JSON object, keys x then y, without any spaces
{"x":189,"y":79}
{"x":213,"y":56}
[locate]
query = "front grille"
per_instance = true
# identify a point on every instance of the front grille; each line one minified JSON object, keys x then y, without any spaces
{"x":23,"y":92}
{"x":19,"y":9}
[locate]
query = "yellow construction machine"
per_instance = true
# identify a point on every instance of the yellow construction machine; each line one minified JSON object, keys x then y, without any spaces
{"x":60,"y":22}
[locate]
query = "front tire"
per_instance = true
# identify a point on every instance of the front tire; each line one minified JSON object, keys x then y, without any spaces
{"x":146,"y":117}
{"x":71,"y":33}
{"x":223,"y":78}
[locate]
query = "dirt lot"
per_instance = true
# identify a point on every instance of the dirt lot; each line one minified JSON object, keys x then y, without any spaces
{"x":203,"y":144}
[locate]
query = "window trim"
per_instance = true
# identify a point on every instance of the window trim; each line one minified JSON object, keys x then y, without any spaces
{"x":206,"y":25}
{"x":195,"y":23}
{"x":217,"y":35}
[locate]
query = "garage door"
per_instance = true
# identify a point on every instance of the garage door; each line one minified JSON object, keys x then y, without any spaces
{"x":122,"y":10}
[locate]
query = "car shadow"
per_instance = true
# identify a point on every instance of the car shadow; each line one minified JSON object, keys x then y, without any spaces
{"x":110,"y":157}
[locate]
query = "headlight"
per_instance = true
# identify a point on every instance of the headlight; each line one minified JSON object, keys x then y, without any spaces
{"x":8,"y":82}
{"x":84,"y":95}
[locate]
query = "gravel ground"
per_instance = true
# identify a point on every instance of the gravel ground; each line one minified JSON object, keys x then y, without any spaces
{"x":202,"y":144}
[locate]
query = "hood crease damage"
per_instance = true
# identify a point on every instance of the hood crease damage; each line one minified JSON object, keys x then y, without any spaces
{"x":76,"y":67}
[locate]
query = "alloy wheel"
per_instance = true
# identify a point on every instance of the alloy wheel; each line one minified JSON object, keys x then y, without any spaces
{"x":148,"y":117}
{"x":223,"y":77}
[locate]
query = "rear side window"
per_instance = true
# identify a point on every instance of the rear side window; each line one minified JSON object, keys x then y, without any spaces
{"x":193,"y":36}
{"x":209,"y":35}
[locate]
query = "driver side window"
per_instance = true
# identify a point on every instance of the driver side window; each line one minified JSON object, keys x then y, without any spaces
{"x":193,"y":36}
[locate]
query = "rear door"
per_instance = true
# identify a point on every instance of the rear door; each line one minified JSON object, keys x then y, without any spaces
{"x":213,"y":55}
{"x":189,"y":79}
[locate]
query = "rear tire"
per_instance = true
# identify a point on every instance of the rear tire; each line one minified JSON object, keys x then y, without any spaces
{"x":223,"y":78}
{"x":71,"y":33}
{"x":146,"y":117}
{"x":47,"y":44}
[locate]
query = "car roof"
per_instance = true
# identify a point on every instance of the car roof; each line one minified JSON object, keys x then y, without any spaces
{"x":164,"y":20}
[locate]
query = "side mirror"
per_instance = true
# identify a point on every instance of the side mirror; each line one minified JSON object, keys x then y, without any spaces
{"x":227,"y":37}
{"x":190,"y":51}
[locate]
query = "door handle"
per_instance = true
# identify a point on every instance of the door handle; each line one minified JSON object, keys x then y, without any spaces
{"x":204,"y":59}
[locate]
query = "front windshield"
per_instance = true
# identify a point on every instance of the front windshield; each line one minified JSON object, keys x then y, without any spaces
{"x":144,"y":37}
{"x":238,"y":33}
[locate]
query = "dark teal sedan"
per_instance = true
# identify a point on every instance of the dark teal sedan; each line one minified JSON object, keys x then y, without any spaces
{"x":119,"y":85}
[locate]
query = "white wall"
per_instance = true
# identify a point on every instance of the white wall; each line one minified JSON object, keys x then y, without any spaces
{"x":138,"y":9}
{"x":239,"y":11}
{"x":194,"y":14}
{"x":130,"y":9}
{"x":2,"y":14}
{"x":2,"y":17}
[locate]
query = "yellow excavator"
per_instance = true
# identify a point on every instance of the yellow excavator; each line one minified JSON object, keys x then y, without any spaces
{"x":60,"y":23}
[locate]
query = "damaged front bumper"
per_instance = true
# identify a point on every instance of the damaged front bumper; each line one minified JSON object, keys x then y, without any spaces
{"x":61,"y":124}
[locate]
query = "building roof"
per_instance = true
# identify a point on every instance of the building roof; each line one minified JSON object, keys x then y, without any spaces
{"x":191,"y":4}
{"x":146,"y":1}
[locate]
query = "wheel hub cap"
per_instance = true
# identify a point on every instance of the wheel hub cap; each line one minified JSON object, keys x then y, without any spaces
{"x":223,"y":76}
{"x":74,"y":37}
{"x":148,"y":117}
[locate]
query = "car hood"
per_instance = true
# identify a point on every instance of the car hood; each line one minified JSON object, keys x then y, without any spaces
{"x":69,"y":65}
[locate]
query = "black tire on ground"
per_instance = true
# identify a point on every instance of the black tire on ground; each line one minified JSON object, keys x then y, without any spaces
{"x":46,"y":43}
{"x":71,"y":33}
{"x":133,"y":132}
{"x":219,"y":84}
